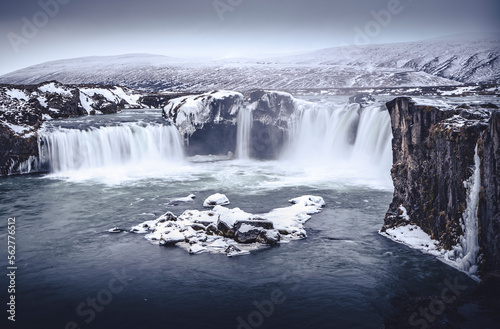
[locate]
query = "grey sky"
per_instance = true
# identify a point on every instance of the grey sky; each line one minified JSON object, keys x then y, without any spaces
{"x":195,"y":28}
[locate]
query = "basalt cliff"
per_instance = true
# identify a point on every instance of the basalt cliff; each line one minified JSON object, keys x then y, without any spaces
{"x":435,"y":147}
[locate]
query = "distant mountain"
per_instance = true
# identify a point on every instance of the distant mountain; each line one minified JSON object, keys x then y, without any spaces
{"x":436,"y":62}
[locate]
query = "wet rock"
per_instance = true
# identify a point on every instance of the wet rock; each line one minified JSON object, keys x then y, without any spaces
{"x":255,"y":231}
{"x":269,"y":237}
{"x":227,"y":230}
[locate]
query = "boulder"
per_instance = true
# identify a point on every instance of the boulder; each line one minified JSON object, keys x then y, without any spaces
{"x":216,"y":200}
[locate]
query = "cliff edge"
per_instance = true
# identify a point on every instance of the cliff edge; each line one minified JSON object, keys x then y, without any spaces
{"x":446,"y":178}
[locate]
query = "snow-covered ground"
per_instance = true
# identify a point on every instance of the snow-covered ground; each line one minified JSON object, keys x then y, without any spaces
{"x":438,"y":62}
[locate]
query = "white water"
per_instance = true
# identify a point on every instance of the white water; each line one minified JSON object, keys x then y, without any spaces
{"x":245,"y":119}
{"x":465,"y":254}
{"x":117,"y":146}
{"x":327,"y":143}
{"x":344,"y":136}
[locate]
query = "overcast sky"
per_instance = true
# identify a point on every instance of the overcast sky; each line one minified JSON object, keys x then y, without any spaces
{"x":32,"y":33}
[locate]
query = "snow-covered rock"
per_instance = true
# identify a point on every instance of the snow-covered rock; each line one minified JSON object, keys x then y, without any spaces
{"x":193,"y":112}
{"x":216,"y":200}
{"x":231,"y":231}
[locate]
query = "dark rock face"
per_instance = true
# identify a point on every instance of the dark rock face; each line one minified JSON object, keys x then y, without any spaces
{"x":266,"y":141}
{"x":208,"y":122}
{"x":433,"y":155}
{"x":16,"y":152}
{"x":212,"y":139}
{"x":271,"y":115}
{"x":489,"y":197}
{"x":256,"y":231}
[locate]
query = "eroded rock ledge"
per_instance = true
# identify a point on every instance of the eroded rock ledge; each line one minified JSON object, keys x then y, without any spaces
{"x":433,"y":154}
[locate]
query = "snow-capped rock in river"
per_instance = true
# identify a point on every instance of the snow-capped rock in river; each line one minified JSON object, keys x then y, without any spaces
{"x":231,"y":231}
{"x":216,"y":200}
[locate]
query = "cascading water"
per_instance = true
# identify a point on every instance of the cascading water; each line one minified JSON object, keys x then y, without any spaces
{"x":374,"y":138}
{"x":245,"y":119}
{"x":330,"y":134}
{"x":465,"y":254}
{"x":130,"y":143}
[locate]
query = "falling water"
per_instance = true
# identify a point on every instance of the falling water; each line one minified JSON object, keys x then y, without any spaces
{"x":465,"y":254}
{"x":131,"y":143}
{"x":245,"y":119}
{"x":326,"y":134}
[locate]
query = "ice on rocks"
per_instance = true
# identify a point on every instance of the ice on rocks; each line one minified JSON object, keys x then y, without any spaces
{"x":232,"y":232}
{"x":197,"y":249}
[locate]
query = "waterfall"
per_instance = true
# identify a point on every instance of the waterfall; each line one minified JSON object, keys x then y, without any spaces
{"x":374,"y":138}
{"x":245,"y":119}
{"x":465,"y":254}
{"x":357,"y":138}
{"x":131,"y":143}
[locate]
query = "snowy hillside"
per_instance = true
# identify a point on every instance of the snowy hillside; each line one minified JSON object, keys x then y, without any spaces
{"x":23,"y":108}
{"x":465,"y":60}
{"x":437,"y":62}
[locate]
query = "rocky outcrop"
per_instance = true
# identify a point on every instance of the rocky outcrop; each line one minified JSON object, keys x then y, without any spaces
{"x":23,"y":109}
{"x":433,"y":154}
{"x":230,"y":231}
{"x":272,"y":112}
{"x":208,"y":121}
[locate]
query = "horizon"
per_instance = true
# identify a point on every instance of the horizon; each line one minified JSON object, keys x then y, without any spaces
{"x":256,"y":56}
{"x":36,"y":32}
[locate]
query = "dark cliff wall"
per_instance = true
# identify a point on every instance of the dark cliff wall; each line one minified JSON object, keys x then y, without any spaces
{"x":489,"y":197}
{"x":433,"y":155}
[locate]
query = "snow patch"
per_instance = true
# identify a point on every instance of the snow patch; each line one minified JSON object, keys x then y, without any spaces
{"x":404,"y":213}
{"x":17,"y":94}
{"x":53,"y":88}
